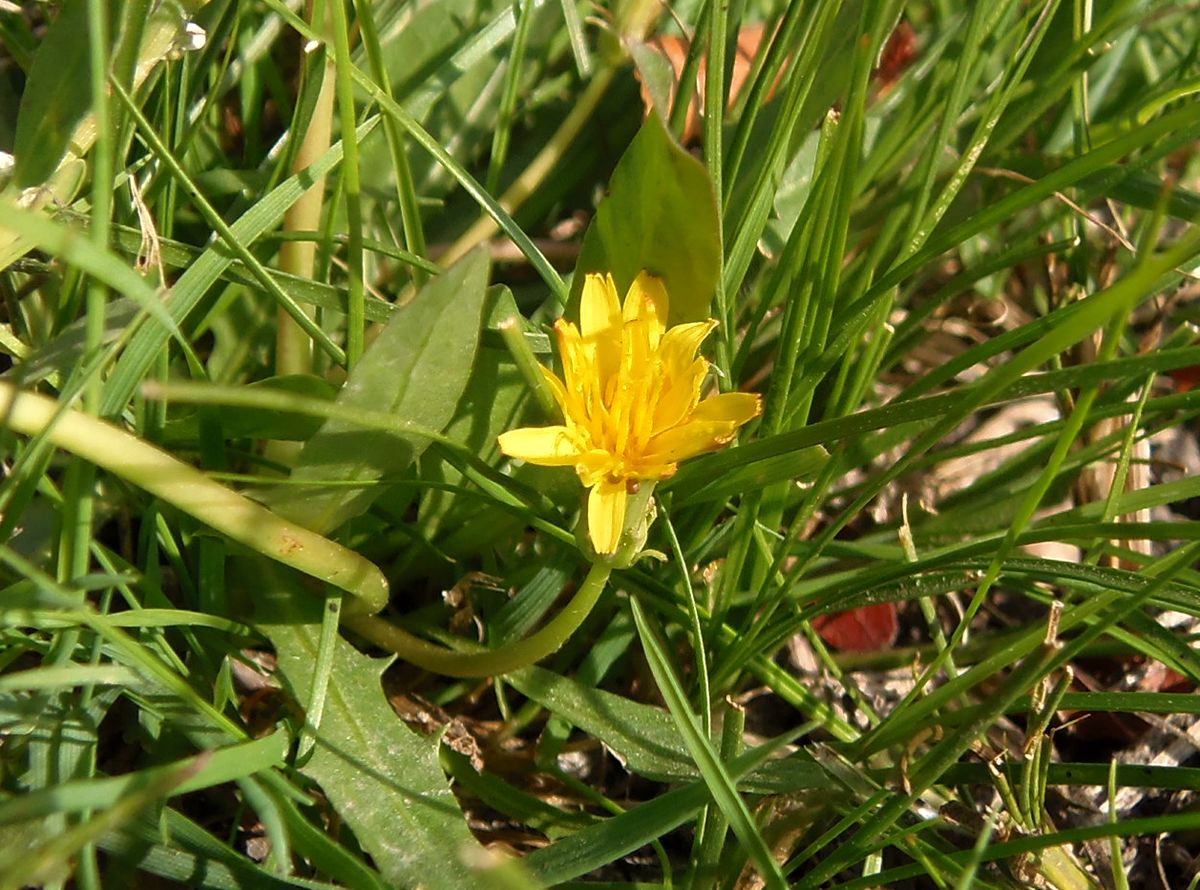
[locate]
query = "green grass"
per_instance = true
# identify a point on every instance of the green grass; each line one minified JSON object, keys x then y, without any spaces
{"x":269,"y":298}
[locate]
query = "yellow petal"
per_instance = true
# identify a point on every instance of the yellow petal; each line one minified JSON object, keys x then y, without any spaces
{"x":579,"y":372}
{"x":550,"y":446}
{"x":557,"y":389}
{"x":711,"y":425}
{"x":649,"y":467}
{"x":594,"y":466}
{"x":606,"y":515}
{"x":681,"y":343}
{"x":733,"y":407}
{"x":570,"y":346}
{"x":682,"y":373}
{"x":688,"y":440}
{"x":679,"y":395}
{"x":647,"y":299}
{"x":600,"y":323}
{"x":599,"y":306}
{"x":632,"y":399}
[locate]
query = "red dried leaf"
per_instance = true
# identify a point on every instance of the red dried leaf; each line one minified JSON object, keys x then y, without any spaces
{"x":865,"y":629}
{"x":675,"y":49}
{"x":1185,"y":378}
{"x":898,"y":53}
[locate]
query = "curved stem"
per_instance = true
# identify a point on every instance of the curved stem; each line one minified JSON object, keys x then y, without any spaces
{"x":191,"y":491}
{"x":258,"y":528}
{"x":508,"y":658}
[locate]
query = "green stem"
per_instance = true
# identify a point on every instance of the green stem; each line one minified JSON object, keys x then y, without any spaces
{"x":355,"y":322}
{"x":508,"y":658}
{"x":191,"y":491}
{"x":102,"y":185}
{"x":293,"y":348}
{"x":263,"y":531}
{"x":509,"y":99}
{"x":518,"y":348}
{"x":715,"y":104}
{"x":406,"y":194}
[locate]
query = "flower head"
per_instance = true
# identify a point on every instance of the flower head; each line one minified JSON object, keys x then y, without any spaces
{"x":630,"y":398}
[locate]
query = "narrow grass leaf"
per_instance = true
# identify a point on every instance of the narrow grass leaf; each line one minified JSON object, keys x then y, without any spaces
{"x":712,"y":769}
{"x":697,"y":481}
{"x":204,"y":771}
{"x":208,"y":863}
{"x":146,"y":344}
{"x":607,"y":841}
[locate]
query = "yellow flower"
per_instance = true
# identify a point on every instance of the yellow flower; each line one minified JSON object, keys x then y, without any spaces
{"x":630,"y":398}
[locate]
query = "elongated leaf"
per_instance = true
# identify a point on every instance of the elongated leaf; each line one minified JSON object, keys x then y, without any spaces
{"x":213,"y":768}
{"x":1150,"y":826}
{"x":697,"y":482}
{"x":68,"y":348}
{"x":36,"y":229}
{"x":383,"y":779}
{"x":1129,"y":775}
{"x":717,"y":776}
{"x":417,"y":368}
{"x":660,"y":215}
{"x":256,"y":423}
{"x":21,"y":866}
{"x":194,"y":857}
{"x":1127,"y":703}
{"x":598,"y":844}
{"x":57,"y":96}
{"x":645,"y":738}
{"x":490,"y":404}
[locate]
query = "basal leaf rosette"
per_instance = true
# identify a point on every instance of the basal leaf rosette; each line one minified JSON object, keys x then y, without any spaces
{"x":630,"y":400}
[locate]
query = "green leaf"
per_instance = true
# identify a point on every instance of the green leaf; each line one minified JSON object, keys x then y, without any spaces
{"x":791,"y":195}
{"x":34,"y":228}
{"x":660,"y":215}
{"x":721,"y":783}
{"x":711,"y":480}
{"x":641,"y":736}
{"x":645,"y":738}
{"x":596,"y":846}
{"x":57,"y":96}
{"x":606,"y":841}
{"x":204,"y":771}
{"x":255,"y":423}
{"x":68,"y":347}
{"x":655,"y":74}
{"x":383,"y":779}
{"x":490,"y":404}
{"x":195,"y":858}
{"x":1145,"y":190}
{"x":416,"y":369}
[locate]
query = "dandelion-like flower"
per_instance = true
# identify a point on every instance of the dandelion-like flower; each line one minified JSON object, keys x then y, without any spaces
{"x":630,"y":399}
